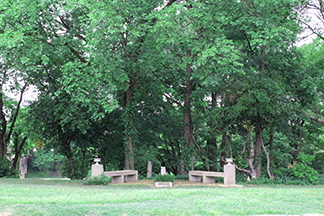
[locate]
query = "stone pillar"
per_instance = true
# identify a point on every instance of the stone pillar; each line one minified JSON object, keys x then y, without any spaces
{"x":163,"y":171}
{"x":149,"y":169}
{"x":229,"y":172}
{"x":96,"y":169}
{"x":23,"y":166}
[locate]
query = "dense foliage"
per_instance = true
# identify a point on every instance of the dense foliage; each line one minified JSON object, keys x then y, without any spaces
{"x":184,"y":84}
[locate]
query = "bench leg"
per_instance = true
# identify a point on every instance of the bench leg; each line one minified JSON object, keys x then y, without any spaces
{"x":193,"y":178}
{"x":132,"y":177}
{"x":207,"y":179}
{"x":118,"y":179}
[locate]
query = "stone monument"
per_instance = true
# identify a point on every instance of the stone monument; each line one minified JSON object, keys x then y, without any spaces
{"x":163,"y":171}
{"x":96,"y":169}
{"x":229,"y":172}
{"x":149,"y":169}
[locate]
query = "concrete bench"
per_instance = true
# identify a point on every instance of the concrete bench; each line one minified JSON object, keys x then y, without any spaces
{"x":118,"y":176}
{"x":209,"y":177}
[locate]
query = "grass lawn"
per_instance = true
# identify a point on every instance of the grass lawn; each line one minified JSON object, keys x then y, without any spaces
{"x":40,"y":197}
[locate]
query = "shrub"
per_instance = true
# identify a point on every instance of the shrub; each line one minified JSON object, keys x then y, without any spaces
{"x":285,"y":180}
{"x":182,"y":177}
{"x":303,"y":171}
{"x":101,"y":180}
{"x":82,"y":161}
{"x":318,"y":164}
{"x":5,"y":165}
{"x":45,"y":159}
{"x":164,"y":178}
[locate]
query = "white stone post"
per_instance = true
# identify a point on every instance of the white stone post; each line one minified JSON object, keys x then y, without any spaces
{"x":149,"y":169}
{"x":229,"y":172}
{"x":96,"y":169}
{"x":163,"y":171}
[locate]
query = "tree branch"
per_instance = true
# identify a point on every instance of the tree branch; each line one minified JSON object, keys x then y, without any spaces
{"x":169,"y":3}
{"x":242,"y":170}
{"x":315,"y":119}
{"x":17,"y":111}
{"x":83,"y":60}
{"x":313,"y":30}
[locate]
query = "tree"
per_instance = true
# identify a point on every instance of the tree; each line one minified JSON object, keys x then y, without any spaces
{"x":268,"y":58}
{"x":119,"y":40}
{"x":193,"y":44}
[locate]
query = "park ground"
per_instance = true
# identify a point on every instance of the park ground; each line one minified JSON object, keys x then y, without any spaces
{"x":57,"y":197}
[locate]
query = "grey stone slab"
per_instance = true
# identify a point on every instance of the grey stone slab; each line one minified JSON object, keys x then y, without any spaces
{"x":149,"y":169}
{"x":118,"y":176}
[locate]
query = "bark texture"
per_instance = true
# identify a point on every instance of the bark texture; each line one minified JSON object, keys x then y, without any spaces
{"x":187,"y":130}
{"x":129,"y":152}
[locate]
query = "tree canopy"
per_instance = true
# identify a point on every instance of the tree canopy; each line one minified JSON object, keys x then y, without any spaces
{"x":184,"y":84}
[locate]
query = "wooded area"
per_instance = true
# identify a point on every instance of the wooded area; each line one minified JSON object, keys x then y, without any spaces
{"x":181,"y":83}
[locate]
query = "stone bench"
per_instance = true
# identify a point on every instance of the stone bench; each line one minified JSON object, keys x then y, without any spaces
{"x":209,"y":177}
{"x":118,"y":176}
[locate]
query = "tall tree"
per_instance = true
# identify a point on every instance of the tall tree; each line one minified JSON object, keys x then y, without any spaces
{"x":195,"y":39}
{"x":265,"y":34}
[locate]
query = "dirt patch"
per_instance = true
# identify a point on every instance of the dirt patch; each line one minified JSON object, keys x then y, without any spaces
{"x":177,"y":183}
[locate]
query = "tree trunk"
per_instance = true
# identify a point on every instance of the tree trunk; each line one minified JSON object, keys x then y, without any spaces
{"x":181,"y":168}
{"x":54,"y":166}
{"x":249,"y":159}
{"x":129,"y":160}
{"x":129,"y":157}
{"x":69,"y":157}
{"x":271,"y":140}
{"x":3,"y":146}
{"x":187,"y":108}
{"x":129,"y":152}
{"x":268,"y":159}
{"x":257,"y":157}
{"x":3,"y":143}
{"x":212,"y":155}
{"x":253,"y":172}
{"x":17,"y":150}
{"x":4,"y":137}
{"x":223,"y":149}
{"x":300,"y":137}
{"x":258,"y":135}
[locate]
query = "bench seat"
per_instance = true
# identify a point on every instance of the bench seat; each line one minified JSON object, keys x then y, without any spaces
{"x":118,"y":176}
{"x":208,"y":177}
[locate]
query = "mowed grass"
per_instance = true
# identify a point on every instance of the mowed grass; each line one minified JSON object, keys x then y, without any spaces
{"x":40,"y":197}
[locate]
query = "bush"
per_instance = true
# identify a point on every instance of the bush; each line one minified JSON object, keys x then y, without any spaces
{"x":302,"y":170}
{"x":318,"y":164}
{"x":5,"y":167}
{"x":45,"y":159}
{"x":164,"y":178}
{"x":82,"y":161}
{"x":182,"y":177}
{"x":101,"y":180}
{"x":285,"y":180}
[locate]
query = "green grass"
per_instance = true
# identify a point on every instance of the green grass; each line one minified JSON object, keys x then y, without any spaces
{"x":42,"y":174}
{"x":39,"y":197}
